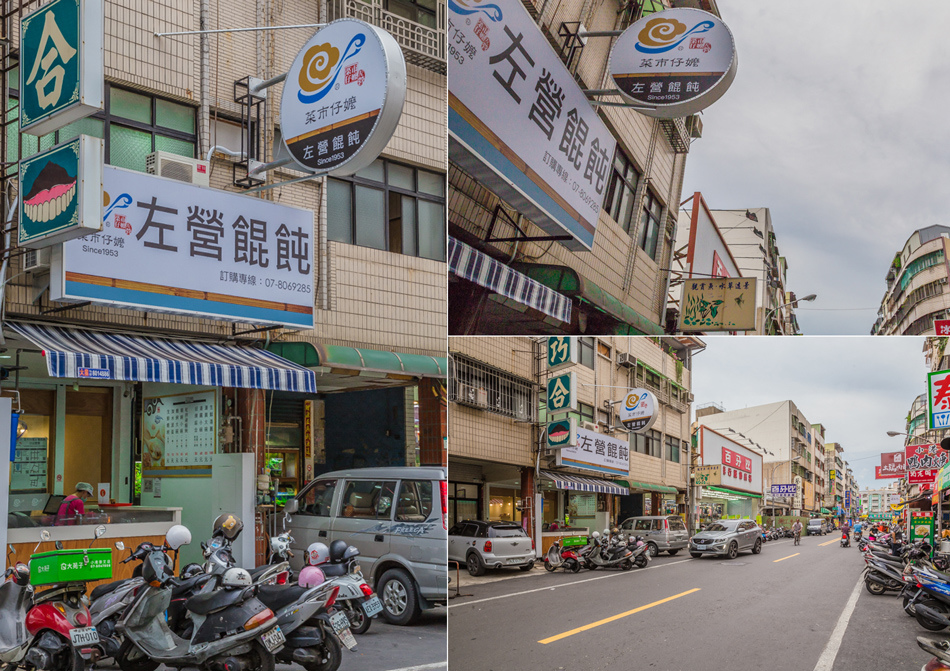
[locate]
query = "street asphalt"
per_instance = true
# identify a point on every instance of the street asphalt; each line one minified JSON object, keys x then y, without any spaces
{"x":788,"y":608}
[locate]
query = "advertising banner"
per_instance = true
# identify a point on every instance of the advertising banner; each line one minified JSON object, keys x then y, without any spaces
{"x":597,"y":452}
{"x":892,"y":464}
{"x":718,"y":305}
{"x":733,"y":460}
{"x":708,"y":255}
{"x":923,"y":462}
{"x":784,"y":490}
{"x":879,"y":474}
{"x":942,"y":327}
{"x":707,"y":475}
{"x":234,"y":257}
{"x":521,"y":125}
{"x":921,"y":526}
{"x":938,"y":396}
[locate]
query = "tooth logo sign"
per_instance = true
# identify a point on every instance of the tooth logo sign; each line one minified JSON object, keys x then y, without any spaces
{"x":660,"y":35}
{"x":321,"y":67}
{"x":633,"y":401}
{"x":53,"y":193}
{"x":493,"y":12}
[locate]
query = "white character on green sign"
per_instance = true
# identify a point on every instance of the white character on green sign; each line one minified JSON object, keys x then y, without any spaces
{"x":559,"y":394}
{"x":45,"y":59}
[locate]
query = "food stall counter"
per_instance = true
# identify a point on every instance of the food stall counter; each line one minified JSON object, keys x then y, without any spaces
{"x":548,"y":537}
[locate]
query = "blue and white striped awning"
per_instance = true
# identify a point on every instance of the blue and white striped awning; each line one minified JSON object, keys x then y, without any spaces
{"x":82,"y":354}
{"x":470,"y":264}
{"x":580,"y":483}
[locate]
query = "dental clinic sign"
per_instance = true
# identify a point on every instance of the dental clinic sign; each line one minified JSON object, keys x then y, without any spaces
{"x":938,"y":394}
{"x":61,"y":64}
{"x":675,"y":62}
{"x":520,"y":124}
{"x":343,"y":97}
{"x":171,"y":247}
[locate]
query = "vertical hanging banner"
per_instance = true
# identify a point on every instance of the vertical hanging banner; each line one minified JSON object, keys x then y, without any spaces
{"x":938,"y":395}
{"x":343,"y":97}
{"x":61,"y":64}
{"x":521,"y":125}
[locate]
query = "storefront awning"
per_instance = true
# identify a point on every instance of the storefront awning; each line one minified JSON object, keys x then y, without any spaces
{"x":580,"y":483}
{"x":81,"y":354}
{"x":734,"y":492}
{"x":569,"y":282}
{"x":648,"y":487}
{"x":825,"y":511}
{"x":474,"y":266}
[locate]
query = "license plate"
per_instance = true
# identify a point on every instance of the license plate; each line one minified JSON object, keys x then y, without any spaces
{"x":340,"y":622}
{"x":84,"y":637}
{"x":347,"y":637}
{"x":372,"y":606}
{"x":273,"y":639}
{"x":515,"y":560}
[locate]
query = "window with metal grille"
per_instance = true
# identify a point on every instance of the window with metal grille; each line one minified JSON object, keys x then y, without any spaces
{"x":479,"y":385}
{"x":650,"y":225}
{"x":621,"y":191}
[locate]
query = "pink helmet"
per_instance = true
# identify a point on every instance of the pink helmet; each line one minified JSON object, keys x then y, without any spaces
{"x":310,"y":576}
{"x":317,"y":553}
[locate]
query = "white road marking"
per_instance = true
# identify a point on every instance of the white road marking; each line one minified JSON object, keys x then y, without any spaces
{"x":423,"y":667}
{"x":827,"y":660}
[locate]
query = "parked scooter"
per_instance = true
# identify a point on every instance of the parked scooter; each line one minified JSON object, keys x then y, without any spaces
{"x":16,"y":599}
{"x":110,"y":600}
{"x":340,"y":566}
{"x":605,"y":552}
{"x":557,"y":557}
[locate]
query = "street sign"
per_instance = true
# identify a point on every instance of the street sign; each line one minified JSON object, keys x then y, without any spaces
{"x":639,"y":410}
{"x":562,"y":352}
{"x":562,"y":394}
{"x":61,"y":64}
{"x":938,"y":396}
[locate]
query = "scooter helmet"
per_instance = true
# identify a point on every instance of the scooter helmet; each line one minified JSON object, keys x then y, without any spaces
{"x":351,"y":552}
{"x":337,"y":548}
{"x":177,"y":536}
{"x":615,"y":530}
{"x":236,"y":577}
{"x":191,"y":570}
{"x":595,"y":535}
{"x":227,"y":525}
{"x":606,"y":532}
{"x":310,"y":576}
{"x":318,"y":553}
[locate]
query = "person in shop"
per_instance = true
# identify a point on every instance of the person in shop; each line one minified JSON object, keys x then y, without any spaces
{"x":74,"y":505}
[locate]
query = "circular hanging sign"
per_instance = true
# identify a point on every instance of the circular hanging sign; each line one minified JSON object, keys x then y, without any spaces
{"x":343,"y":97}
{"x":678,"y":61}
{"x":638,"y":411}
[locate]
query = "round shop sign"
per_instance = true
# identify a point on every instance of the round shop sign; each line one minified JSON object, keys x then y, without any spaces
{"x":638,"y":412}
{"x":343,"y":97}
{"x":678,"y":61}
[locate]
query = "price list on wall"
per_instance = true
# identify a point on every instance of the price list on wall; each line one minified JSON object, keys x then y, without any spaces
{"x":29,"y":465}
{"x":190,"y":431}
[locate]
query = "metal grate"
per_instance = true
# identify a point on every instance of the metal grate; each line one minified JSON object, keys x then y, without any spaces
{"x":479,"y":385}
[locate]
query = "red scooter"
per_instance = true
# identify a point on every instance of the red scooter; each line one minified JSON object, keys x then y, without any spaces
{"x":558,"y":557}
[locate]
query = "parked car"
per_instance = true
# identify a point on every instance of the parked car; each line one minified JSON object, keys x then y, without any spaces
{"x":482,"y":545}
{"x":727,"y":538}
{"x":662,"y":533}
{"x":817,"y":527}
{"x":397,"y":518}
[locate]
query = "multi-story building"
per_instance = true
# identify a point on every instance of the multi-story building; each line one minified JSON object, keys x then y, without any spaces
{"x":834,"y":464}
{"x":508,"y":275}
{"x":916,"y":292}
{"x":499,"y":467}
{"x":787,"y":444}
{"x":875,"y":503}
{"x":821,"y":469}
{"x":369,"y":259}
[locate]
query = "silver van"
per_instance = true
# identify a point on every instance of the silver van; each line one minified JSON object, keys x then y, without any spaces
{"x":662,"y":533}
{"x":396,"y":517}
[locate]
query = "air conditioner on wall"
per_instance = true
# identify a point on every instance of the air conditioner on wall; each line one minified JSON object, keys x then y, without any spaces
{"x":590,"y":426}
{"x":184,"y":169}
{"x":467,"y":394}
{"x":36,"y":260}
{"x":626,"y":360}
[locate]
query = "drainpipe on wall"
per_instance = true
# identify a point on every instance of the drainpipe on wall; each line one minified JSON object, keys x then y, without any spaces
{"x":204,"y":95}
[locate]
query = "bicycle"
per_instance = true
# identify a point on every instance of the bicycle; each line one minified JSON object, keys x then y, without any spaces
{"x":798,"y":537}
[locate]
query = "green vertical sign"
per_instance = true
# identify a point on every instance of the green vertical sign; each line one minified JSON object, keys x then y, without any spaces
{"x":562,"y":394}
{"x":562,"y":352}
{"x":921,"y":526}
{"x":61,"y":64}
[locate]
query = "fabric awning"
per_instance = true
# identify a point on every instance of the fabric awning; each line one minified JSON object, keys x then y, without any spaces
{"x":734,"y":492}
{"x":580,"y":483}
{"x":470,"y":264}
{"x":82,"y":354}
{"x":649,"y":487}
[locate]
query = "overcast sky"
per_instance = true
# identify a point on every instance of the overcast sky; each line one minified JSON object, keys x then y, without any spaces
{"x":858,"y":388}
{"x":837,"y":122}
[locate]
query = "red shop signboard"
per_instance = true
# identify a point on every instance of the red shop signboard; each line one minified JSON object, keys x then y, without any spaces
{"x":923,"y":461}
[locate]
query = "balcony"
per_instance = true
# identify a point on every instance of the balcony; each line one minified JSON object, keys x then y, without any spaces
{"x":421,"y":45}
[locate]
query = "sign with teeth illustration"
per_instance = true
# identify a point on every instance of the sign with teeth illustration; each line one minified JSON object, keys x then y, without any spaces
{"x":60,"y":193}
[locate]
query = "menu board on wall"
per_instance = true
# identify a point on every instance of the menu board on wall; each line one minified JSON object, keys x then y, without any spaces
{"x":29,"y":465}
{"x":179,"y":435}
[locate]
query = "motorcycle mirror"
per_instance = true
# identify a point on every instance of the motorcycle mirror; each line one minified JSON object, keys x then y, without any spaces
{"x":291,"y":507}
{"x":100,"y":530}
{"x":59,"y":545}
{"x":119,"y":545}
{"x":44,"y":535}
{"x":11,"y":550}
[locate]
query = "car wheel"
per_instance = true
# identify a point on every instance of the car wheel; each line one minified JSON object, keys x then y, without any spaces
{"x":673,"y":552}
{"x":757,"y":548}
{"x":695,"y":555}
{"x":733,"y":551}
{"x":652,"y":549}
{"x":474,"y":564}
{"x":527,"y":567}
{"x":399,"y":595}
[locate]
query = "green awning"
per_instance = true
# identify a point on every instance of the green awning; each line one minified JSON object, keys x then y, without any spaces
{"x":647,"y":486}
{"x":569,"y":282}
{"x":825,"y":511}
{"x":351,"y":363}
{"x":733,"y":492}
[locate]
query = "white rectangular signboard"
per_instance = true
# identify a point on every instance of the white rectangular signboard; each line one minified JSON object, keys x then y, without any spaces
{"x":597,"y":452}
{"x":167,"y":246}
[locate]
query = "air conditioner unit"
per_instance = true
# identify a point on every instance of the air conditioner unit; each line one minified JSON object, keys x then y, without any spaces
{"x":694,"y":126}
{"x":690,"y":398}
{"x":626,"y":360}
{"x":36,"y":260}
{"x":466,"y":394}
{"x":184,"y":169}
{"x":590,"y":426}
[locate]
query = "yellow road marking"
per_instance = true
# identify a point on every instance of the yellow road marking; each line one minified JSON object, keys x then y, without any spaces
{"x":788,"y":557}
{"x":836,"y":540}
{"x":552,"y":639}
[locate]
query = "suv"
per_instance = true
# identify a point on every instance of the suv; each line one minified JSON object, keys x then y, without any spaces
{"x":661,"y":533}
{"x":816,"y":527}
{"x":396,"y":517}
{"x":482,"y":545}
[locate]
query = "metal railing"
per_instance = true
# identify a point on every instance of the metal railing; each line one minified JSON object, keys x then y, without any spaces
{"x":422,"y":45}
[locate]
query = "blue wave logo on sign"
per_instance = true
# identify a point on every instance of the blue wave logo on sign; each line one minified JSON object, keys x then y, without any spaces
{"x":630,"y":407}
{"x":321,"y":67}
{"x":661,"y":34}
{"x":493,"y":12}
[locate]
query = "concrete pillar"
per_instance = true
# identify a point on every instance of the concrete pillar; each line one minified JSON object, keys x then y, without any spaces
{"x":251,"y":407}
{"x":527,"y":496}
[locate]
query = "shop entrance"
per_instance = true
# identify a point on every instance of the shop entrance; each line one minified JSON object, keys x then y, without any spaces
{"x":365,"y":429}
{"x":630,"y":506}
